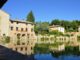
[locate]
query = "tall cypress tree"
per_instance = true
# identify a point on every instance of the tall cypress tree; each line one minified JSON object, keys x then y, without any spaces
{"x":30,"y":17}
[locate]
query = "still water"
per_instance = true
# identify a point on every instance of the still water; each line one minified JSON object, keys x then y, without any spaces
{"x":8,"y":54}
{"x":50,"y":57}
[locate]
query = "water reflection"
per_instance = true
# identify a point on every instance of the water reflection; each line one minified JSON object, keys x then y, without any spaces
{"x":68,"y":54}
{"x":74,"y":51}
{"x":8,"y":54}
{"x":61,"y":57}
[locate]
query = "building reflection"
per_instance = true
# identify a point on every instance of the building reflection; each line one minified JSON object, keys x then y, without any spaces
{"x":8,"y":54}
{"x":74,"y":51}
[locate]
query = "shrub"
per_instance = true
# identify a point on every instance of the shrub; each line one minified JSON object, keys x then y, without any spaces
{"x":7,"y":39}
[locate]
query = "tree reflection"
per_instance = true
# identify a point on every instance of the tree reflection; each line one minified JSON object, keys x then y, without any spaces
{"x":69,"y":50}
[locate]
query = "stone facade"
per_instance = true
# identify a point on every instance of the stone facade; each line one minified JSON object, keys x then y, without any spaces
{"x":15,"y":27}
{"x":57,"y":27}
{"x":21,"y":33}
{"x":4,"y":23}
{"x":52,"y":39}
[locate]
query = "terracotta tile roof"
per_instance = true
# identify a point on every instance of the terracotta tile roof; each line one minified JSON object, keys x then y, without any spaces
{"x":22,"y":21}
{"x":54,"y":26}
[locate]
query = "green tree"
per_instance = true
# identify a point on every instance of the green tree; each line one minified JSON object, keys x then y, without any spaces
{"x":78,"y":38}
{"x":68,"y":25}
{"x":74,"y":25}
{"x":55,"y":22}
{"x":42,"y":28}
{"x":30,"y":17}
{"x":56,"y":33}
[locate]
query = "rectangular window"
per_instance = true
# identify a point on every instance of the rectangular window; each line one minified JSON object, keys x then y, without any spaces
{"x":21,"y":48}
{"x":11,"y":21}
{"x":31,"y":48}
{"x":23,"y":34}
{"x":21,"y":29}
{"x":28,"y":35}
{"x":11,"y":28}
{"x":16,"y":49}
{"x":32,"y":30}
{"x":23,"y":43}
{"x":26,"y":48}
{"x":26,"y":29}
{"x":16,"y":28}
{"x":17,"y":22}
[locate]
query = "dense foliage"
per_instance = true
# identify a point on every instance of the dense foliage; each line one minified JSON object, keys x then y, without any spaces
{"x":41,"y":48}
{"x":55,"y":32}
{"x":7,"y":39}
{"x":69,"y":50}
{"x":68,"y":25}
{"x":45,"y":48}
{"x":42,"y":28}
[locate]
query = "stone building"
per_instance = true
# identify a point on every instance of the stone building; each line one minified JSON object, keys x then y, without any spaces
{"x":52,"y":39}
{"x":15,"y":27}
{"x":21,"y":33}
{"x":57,"y":27}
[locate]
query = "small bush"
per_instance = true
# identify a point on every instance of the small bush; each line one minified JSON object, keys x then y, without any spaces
{"x":7,"y":39}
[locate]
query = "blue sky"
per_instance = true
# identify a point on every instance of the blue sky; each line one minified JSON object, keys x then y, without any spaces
{"x":44,"y":10}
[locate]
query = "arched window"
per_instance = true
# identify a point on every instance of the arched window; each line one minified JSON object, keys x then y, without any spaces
{"x":23,"y":34}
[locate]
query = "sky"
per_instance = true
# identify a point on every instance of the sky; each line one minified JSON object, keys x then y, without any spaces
{"x":43,"y":10}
